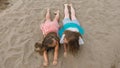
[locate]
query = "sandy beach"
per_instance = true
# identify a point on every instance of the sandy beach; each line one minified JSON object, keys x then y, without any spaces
{"x":19,"y":31}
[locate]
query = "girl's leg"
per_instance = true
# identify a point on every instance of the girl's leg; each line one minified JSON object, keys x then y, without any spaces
{"x":67,"y":17}
{"x":66,"y":12}
{"x":73,"y":17}
{"x":48,"y":15}
{"x":56,"y":19}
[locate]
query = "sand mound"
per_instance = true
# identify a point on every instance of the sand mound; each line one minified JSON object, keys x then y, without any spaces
{"x":19,"y":30}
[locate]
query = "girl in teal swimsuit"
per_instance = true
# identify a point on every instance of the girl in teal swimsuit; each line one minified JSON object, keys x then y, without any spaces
{"x":71,"y":32}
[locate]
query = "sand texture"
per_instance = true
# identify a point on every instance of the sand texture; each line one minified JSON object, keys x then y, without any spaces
{"x":19,"y":31}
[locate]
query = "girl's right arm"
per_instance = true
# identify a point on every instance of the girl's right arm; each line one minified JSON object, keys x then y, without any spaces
{"x":45,"y":58}
{"x":65,"y":50}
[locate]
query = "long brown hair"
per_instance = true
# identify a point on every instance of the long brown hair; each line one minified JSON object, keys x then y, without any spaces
{"x":73,"y":41}
{"x":48,"y":39}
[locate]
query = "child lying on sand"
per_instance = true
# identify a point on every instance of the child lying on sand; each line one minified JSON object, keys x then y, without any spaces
{"x":51,"y":39}
{"x":71,"y":32}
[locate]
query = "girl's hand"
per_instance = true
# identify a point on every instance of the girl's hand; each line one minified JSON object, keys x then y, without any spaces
{"x":45,"y":64}
{"x":65,"y":54}
{"x":54,"y":62}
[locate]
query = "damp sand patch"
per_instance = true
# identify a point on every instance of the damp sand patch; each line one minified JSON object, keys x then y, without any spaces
{"x":4,"y":4}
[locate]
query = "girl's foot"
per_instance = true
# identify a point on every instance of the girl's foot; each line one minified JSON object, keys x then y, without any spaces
{"x":56,"y":12}
{"x":45,"y":64}
{"x":48,"y":9}
{"x":54,"y":62}
{"x":70,"y":5}
{"x":65,"y":4}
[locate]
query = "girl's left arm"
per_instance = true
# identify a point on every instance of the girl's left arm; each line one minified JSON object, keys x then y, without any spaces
{"x":56,"y":52}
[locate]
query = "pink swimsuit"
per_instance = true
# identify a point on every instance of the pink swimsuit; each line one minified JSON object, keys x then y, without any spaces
{"x":48,"y":27}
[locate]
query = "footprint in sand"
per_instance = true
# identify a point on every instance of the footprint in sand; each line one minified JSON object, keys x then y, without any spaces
{"x":3,"y":4}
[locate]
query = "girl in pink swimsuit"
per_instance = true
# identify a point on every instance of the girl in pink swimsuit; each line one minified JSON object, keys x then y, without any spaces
{"x":51,"y":39}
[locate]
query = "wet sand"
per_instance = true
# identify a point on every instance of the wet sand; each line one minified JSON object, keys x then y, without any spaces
{"x":19,"y":30}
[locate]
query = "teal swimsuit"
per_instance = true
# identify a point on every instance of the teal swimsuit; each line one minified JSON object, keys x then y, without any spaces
{"x":70,"y":25}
